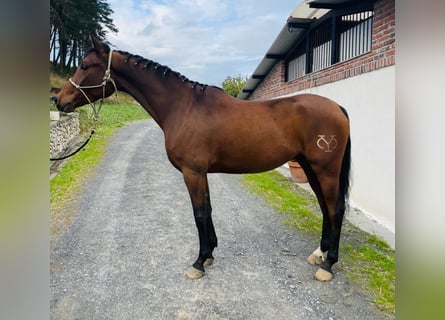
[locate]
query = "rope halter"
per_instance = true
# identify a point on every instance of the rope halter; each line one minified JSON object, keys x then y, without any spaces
{"x":107,"y":78}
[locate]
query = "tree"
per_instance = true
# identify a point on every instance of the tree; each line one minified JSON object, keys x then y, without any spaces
{"x":71,"y":24}
{"x":234,"y":85}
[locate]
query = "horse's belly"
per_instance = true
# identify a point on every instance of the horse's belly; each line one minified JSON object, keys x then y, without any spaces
{"x":253,"y":160}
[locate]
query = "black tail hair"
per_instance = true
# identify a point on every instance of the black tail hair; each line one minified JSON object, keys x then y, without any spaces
{"x":344,"y":174}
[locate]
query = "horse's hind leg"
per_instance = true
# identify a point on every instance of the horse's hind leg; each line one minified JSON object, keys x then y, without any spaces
{"x":197,"y":186}
{"x":327,"y":190}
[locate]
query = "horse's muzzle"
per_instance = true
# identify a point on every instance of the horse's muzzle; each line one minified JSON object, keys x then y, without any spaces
{"x":65,"y":108}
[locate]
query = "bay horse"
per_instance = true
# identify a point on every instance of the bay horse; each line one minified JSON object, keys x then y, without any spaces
{"x":207,"y":130}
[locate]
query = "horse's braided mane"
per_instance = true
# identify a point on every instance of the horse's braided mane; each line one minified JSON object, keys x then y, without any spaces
{"x":150,"y":64}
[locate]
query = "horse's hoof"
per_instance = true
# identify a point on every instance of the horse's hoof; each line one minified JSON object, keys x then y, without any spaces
{"x":208,"y":262}
{"x":314,"y":259}
{"x":193,"y":273}
{"x":323,"y":275}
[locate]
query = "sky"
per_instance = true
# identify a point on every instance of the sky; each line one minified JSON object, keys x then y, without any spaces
{"x":205,"y":40}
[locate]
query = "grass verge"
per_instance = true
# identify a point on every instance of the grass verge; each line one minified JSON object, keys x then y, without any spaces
{"x":65,"y":185}
{"x":364,"y":259}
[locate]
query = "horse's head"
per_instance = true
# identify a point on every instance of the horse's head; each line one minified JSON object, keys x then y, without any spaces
{"x":90,"y":82}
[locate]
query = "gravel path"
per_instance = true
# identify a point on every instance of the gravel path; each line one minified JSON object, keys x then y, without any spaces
{"x":133,"y":237}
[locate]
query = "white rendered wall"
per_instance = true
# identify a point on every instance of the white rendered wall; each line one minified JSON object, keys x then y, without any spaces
{"x":369,"y":99}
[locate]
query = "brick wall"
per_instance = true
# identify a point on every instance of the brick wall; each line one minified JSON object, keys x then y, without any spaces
{"x":381,"y":55}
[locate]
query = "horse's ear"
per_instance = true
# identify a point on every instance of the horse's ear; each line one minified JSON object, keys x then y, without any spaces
{"x":96,"y":44}
{"x":101,"y":47}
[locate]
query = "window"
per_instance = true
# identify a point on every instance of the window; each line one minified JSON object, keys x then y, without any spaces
{"x":321,"y":44}
{"x":355,"y":34}
{"x":339,"y":37}
{"x":296,"y":66}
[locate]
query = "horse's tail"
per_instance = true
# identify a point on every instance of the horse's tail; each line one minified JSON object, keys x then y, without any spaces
{"x":345,"y":180}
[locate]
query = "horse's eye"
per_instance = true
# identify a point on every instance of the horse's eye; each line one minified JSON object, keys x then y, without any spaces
{"x":83,"y":67}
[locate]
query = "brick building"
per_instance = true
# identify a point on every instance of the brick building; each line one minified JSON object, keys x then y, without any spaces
{"x":344,"y":50}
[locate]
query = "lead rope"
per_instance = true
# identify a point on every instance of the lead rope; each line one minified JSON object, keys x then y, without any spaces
{"x":106,"y":78}
{"x":77,"y":150}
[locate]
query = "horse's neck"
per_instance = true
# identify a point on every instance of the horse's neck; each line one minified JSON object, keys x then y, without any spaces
{"x":155,"y":94}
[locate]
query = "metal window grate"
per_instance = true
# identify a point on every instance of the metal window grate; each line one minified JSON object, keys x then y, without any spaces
{"x":355,"y":34}
{"x":296,"y":67}
{"x":321,"y":56}
{"x":321,"y":43}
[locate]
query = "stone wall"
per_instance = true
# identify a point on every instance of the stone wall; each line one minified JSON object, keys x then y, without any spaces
{"x":63,"y":129}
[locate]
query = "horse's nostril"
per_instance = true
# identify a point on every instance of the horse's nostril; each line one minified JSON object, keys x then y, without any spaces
{"x":53,"y":99}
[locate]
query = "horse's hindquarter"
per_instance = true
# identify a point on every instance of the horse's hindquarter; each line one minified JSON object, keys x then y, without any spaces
{"x":276,"y":131}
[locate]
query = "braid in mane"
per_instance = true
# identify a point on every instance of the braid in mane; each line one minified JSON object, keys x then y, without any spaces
{"x":150,"y":64}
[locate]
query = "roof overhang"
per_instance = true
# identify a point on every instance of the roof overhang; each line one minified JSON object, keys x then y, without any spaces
{"x":330,"y":4}
{"x":298,"y":23}
{"x":300,"y":19}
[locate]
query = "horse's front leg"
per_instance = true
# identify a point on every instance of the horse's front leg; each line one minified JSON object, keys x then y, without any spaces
{"x":197,"y":186}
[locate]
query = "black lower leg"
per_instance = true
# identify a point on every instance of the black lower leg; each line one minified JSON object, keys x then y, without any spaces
{"x":199,"y":264}
{"x":331,"y":259}
{"x":325,"y":235}
{"x":205,"y":248}
{"x":332,"y":256}
{"x":213,"y":241}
